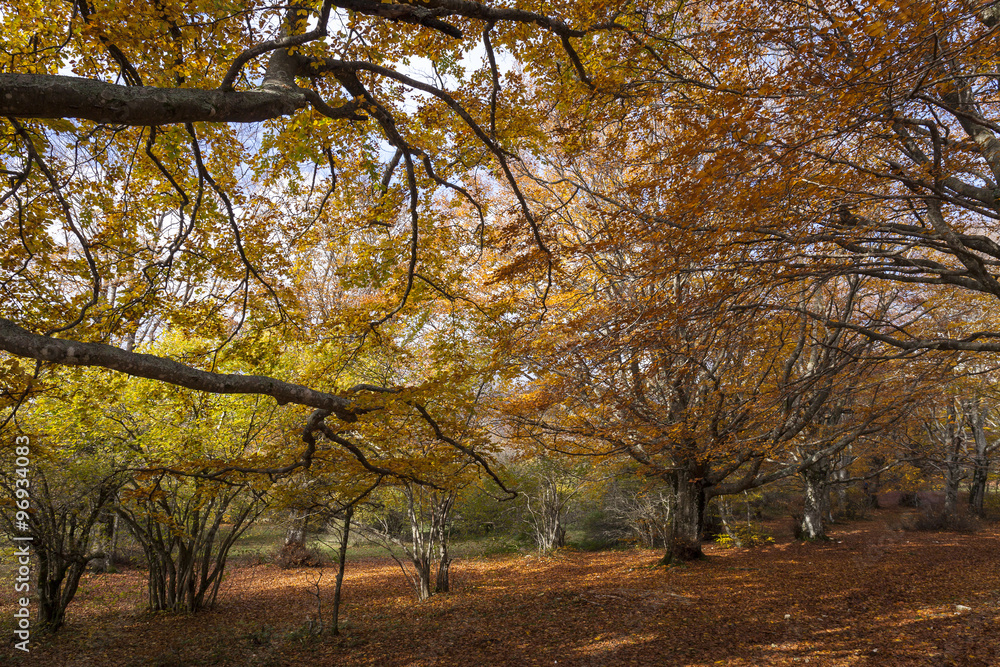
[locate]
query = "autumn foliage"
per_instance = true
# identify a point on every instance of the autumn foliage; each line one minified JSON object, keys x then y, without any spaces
{"x":552,"y":273}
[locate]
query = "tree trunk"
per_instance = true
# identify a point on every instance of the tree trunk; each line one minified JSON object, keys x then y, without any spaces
{"x":546,"y":519}
{"x":952,"y":464}
{"x":980,"y":459}
{"x":977,"y":487}
{"x":423,"y":582}
{"x":295,"y":536}
{"x":61,"y":538}
{"x":348,"y":515}
{"x":952,"y":477}
{"x":186,"y":566}
{"x":443,"y":585}
{"x":816,"y":503}
{"x":687,"y":519}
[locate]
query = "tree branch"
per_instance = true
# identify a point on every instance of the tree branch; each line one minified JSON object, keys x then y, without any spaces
{"x":22,"y":343}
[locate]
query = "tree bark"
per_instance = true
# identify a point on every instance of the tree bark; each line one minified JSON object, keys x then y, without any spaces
{"x":51,"y":96}
{"x":422,"y":565}
{"x":816,"y":503}
{"x":443,"y":584}
{"x":687,"y":518}
{"x":295,"y":535}
{"x":20,"y":342}
{"x":953,"y":461}
{"x":344,"y":536}
{"x":980,"y":458}
{"x":977,"y":486}
{"x":952,"y":478}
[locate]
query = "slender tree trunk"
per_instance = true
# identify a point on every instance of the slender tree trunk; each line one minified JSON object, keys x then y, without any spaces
{"x":845,"y":459}
{"x":112,"y":554}
{"x":348,"y":515}
{"x":422,"y":565}
{"x":952,"y":466}
{"x":443,"y":585}
{"x":954,"y":443}
{"x":952,"y":477}
{"x":977,"y":487}
{"x":980,"y":460}
{"x":546,"y":518}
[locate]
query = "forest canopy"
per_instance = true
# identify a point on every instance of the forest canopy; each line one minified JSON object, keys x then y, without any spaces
{"x":724,"y":242}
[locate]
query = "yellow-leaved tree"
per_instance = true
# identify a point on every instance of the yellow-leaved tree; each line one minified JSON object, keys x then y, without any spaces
{"x":192,"y":166}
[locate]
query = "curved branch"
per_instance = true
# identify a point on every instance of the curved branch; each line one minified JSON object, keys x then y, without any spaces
{"x":403,"y":13}
{"x":23,"y":343}
{"x":440,"y":435}
{"x":272,"y":45}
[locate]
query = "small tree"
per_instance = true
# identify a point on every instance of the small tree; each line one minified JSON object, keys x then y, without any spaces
{"x":424,"y":539}
{"x":72,"y":484}
{"x":186,"y":527}
{"x":642,"y":505}
{"x":547,"y":485}
{"x":66,"y":502}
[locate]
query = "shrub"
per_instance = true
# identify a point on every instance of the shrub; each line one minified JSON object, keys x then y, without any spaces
{"x":991,"y":506}
{"x":936,"y":520}
{"x":603,"y":530}
{"x":296,"y":555}
{"x":745,"y":536}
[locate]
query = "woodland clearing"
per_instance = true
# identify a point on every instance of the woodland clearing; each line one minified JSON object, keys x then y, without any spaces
{"x":873,"y":595}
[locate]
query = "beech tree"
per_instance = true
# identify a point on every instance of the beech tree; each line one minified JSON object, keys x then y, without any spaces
{"x":186,"y":166}
{"x":416,"y":519}
{"x":67,"y":502}
{"x":184,"y":497}
{"x":546,"y":484}
{"x":78,"y":474}
{"x":847,"y":137}
{"x":954,"y":440}
{"x":712,"y":390}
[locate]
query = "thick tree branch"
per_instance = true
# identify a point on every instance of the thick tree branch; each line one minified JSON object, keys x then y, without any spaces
{"x":403,"y":13}
{"x":48,"y":96}
{"x":22,"y":343}
{"x":272,"y":45}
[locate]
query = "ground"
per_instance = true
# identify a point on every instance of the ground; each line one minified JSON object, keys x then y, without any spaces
{"x":873,"y":595}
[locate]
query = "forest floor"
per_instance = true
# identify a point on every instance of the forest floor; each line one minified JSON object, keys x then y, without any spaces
{"x":873,"y":595}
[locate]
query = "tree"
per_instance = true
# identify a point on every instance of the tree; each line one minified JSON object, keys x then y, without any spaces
{"x":955,"y":438}
{"x":546,"y":484}
{"x":184,"y":166}
{"x":74,"y":482}
{"x":67,"y":502}
{"x":187,"y":500}
{"x":834,"y":138}
{"x":186,"y":529}
{"x":981,"y":423}
{"x":417,"y":519}
{"x":714,"y":389}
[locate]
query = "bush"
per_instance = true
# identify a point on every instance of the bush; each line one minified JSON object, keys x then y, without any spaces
{"x":261,"y":636}
{"x":297,"y":555}
{"x":991,"y":506}
{"x":745,"y":536}
{"x":478,"y":514}
{"x":858,"y":506}
{"x":602,"y":530}
{"x":936,"y":520}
